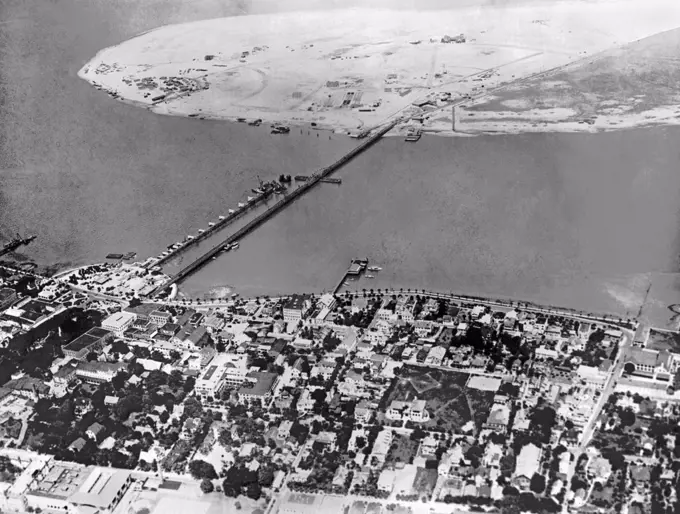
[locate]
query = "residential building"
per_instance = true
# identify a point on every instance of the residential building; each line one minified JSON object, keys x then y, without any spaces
{"x":435,"y":356}
{"x":94,"y":431}
{"x":544,"y":353}
{"x":324,"y":369}
{"x":498,"y":418}
{"x":305,"y":403}
{"x":386,"y":480}
{"x":283,"y":431}
{"x":527,"y":464}
{"x":193,"y":338}
{"x":363,"y":413}
{"x":599,"y":469}
{"x":119,"y":322}
{"x":63,"y":379}
{"x":28,"y":387}
{"x":7,"y":297}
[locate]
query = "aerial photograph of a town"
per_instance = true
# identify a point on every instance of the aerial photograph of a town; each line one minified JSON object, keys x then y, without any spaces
{"x":339,"y":257}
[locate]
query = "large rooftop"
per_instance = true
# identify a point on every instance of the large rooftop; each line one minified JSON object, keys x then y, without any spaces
{"x":61,"y":481}
{"x":100,"y":488}
{"x":264,"y":383}
{"x":87,"y":339}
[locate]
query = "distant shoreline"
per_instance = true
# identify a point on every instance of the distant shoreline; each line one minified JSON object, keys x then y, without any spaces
{"x":290,"y":76}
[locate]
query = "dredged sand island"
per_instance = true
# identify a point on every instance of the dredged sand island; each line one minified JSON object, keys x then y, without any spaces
{"x":506,"y":69}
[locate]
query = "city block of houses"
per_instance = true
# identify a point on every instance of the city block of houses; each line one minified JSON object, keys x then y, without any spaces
{"x":404,"y":397}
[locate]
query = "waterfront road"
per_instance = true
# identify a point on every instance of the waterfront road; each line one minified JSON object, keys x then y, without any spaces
{"x":491,"y":302}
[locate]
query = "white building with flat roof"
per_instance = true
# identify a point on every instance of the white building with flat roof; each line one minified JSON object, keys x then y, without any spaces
{"x":119,"y":322}
{"x":225,"y":369}
{"x":408,"y":411}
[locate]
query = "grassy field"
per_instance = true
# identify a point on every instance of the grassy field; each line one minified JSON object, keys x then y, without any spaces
{"x":403,"y":453}
{"x":633,"y":78}
{"x":662,"y":340}
{"x":450,"y":404}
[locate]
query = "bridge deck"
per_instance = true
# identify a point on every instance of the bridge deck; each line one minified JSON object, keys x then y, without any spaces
{"x":274,"y":209}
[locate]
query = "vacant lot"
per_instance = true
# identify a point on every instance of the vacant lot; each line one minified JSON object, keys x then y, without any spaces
{"x":450,"y":403}
{"x":661,"y":340}
{"x":401,"y":451}
{"x":425,"y":481}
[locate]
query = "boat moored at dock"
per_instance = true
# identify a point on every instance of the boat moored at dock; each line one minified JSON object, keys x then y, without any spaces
{"x":413,"y":135}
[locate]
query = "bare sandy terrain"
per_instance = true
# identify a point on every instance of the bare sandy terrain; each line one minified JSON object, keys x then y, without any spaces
{"x":352,"y":69}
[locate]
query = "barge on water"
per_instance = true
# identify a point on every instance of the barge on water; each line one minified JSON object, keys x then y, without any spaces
{"x":413,"y":135}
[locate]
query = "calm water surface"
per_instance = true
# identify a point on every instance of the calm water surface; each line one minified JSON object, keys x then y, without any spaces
{"x":583,"y":221}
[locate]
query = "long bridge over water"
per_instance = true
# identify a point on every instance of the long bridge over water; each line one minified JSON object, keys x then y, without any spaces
{"x":276,"y":208}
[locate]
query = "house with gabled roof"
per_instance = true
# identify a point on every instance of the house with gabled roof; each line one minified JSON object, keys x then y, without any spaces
{"x":527,"y":464}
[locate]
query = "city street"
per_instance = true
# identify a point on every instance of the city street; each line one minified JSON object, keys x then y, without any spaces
{"x":589,"y":428}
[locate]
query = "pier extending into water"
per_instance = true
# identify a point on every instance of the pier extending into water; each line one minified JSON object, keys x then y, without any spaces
{"x":274,"y":209}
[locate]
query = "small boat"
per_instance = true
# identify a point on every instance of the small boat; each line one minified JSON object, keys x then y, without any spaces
{"x":234,"y":246}
{"x":235,"y":295}
{"x":231,"y":211}
{"x":250,"y":198}
{"x":241,"y":205}
{"x":370,"y":276}
{"x":257,"y":191}
{"x":190,"y":238}
{"x":374,"y":268}
{"x":200,"y":231}
{"x":221,"y":217}
{"x":211,"y":224}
